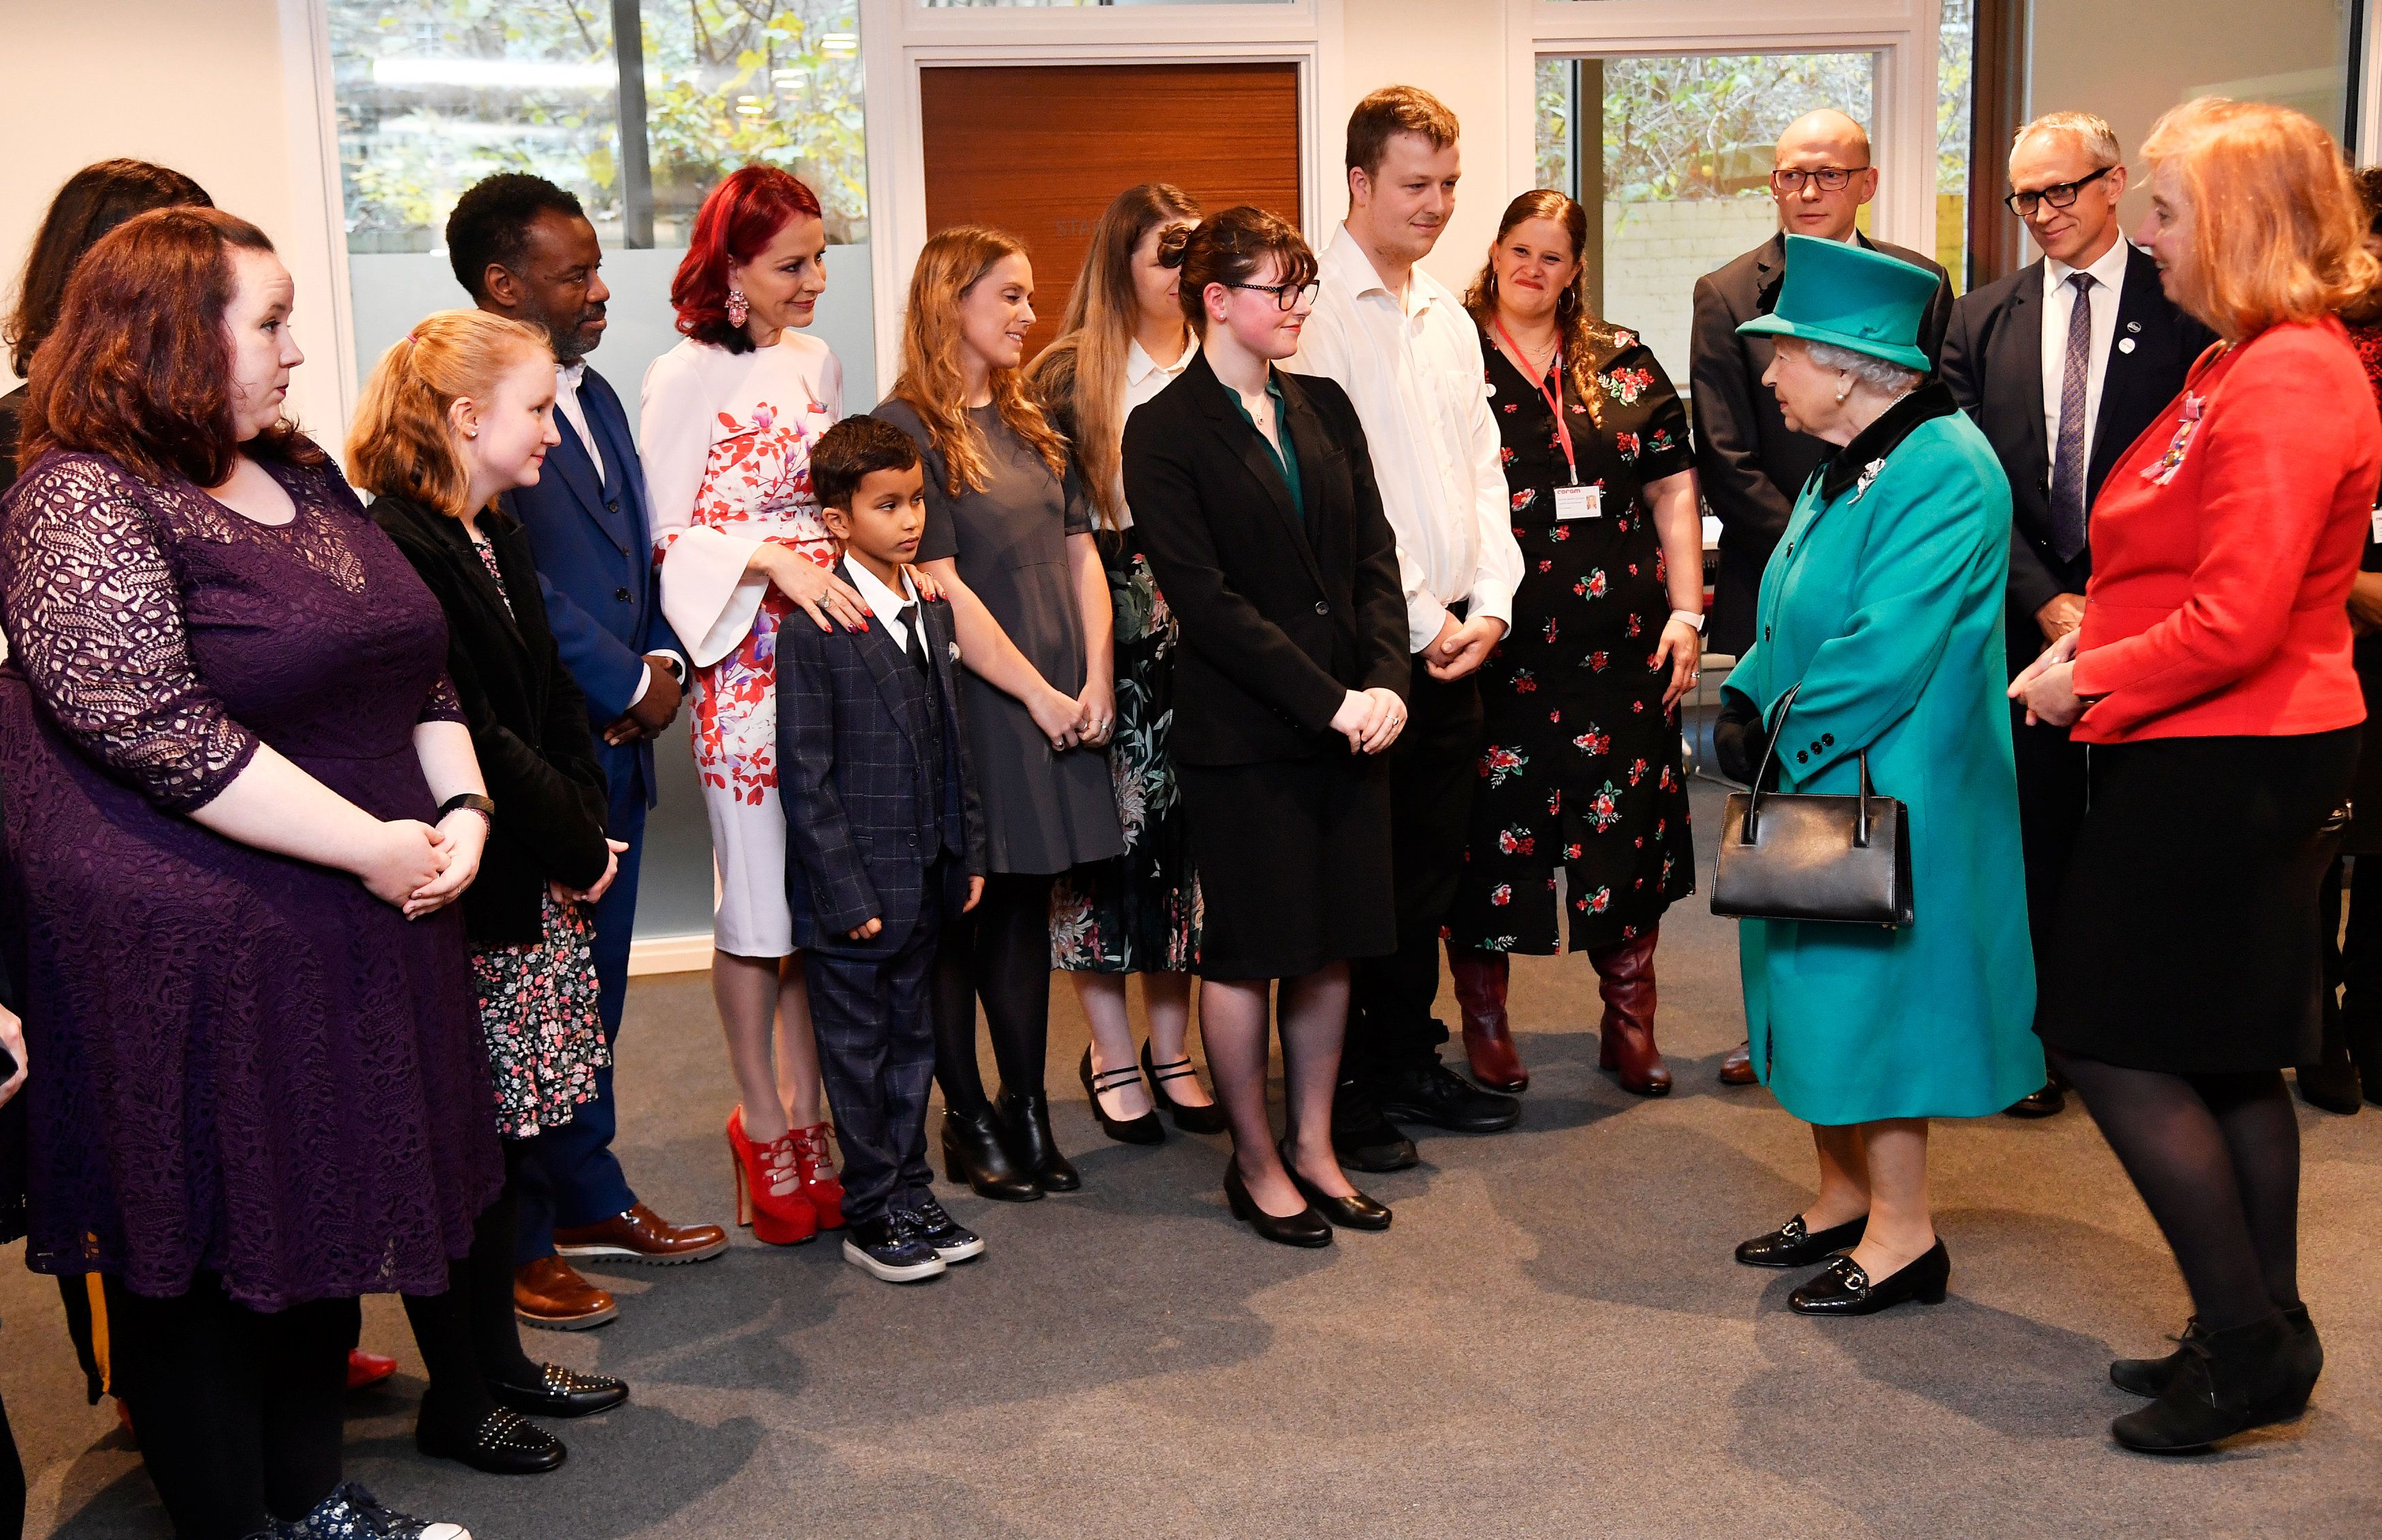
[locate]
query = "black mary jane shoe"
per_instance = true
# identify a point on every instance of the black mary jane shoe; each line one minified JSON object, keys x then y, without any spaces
{"x":1354,"y":1212}
{"x":1305,"y":1227}
{"x":1026,"y":1119}
{"x":1843,"y":1287}
{"x":976,"y":1150}
{"x":1796,"y":1244}
{"x":561,"y":1392}
{"x":1144,"y":1129}
{"x":1189,"y":1118}
{"x":505,"y":1443}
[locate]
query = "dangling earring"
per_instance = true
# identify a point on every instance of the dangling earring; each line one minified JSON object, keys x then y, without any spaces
{"x":738,"y":310}
{"x":1844,"y":388}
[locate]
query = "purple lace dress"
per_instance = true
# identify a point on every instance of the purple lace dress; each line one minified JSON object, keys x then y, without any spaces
{"x":248,"y":1065}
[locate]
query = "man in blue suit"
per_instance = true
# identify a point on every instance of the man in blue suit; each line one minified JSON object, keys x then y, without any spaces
{"x":524,"y":250}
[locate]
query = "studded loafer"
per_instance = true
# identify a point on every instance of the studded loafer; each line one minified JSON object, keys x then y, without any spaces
{"x":561,"y":1392}
{"x":1796,"y":1244}
{"x":505,"y":1443}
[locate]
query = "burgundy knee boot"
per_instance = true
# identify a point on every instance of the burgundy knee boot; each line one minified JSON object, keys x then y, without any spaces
{"x":1480,"y":993}
{"x":1625,"y":976}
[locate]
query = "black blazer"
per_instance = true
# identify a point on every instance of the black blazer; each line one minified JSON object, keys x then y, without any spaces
{"x":1993,"y":360}
{"x":1277,"y":626}
{"x":528,"y":720}
{"x":1750,"y":465}
{"x":874,"y":776}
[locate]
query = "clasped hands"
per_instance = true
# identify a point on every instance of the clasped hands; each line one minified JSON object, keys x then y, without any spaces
{"x":1461,"y":646}
{"x":421,"y":869}
{"x":1371,"y":719}
{"x":2048,"y":686}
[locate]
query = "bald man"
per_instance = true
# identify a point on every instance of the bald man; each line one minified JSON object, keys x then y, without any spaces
{"x":1750,"y":464}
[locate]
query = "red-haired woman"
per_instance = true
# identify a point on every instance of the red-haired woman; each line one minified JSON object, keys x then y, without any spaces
{"x":730,"y":417}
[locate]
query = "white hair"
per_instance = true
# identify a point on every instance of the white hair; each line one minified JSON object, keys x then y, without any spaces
{"x":1893,"y":379}
{"x":2090,"y":129}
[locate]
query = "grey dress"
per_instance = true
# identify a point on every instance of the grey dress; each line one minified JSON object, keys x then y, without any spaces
{"x":1044,"y":812}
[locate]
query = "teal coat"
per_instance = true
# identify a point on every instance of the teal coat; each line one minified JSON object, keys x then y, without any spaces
{"x":1884,"y":599}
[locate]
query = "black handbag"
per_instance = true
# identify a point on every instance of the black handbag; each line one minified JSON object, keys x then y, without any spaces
{"x":1803,"y":856}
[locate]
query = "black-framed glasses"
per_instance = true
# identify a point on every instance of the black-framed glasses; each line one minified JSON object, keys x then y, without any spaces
{"x":2024,"y":204}
{"x":1832,"y":178}
{"x":1286,"y":294}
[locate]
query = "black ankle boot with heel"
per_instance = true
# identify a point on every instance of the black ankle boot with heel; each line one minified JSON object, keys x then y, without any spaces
{"x":976,"y":1151}
{"x":1025,"y":1119}
{"x":2222,"y":1383}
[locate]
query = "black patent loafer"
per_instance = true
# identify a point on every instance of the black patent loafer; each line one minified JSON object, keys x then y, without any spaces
{"x":560,"y":1392}
{"x":2046,"y":1101}
{"x":1795,"y":1244}
{"x":1354,"y":1211}
{"x":1362,"y":1138}
{"x":505,"y":1443}
{"x":1305,"y":1227}
{"x":1844,"y":1287}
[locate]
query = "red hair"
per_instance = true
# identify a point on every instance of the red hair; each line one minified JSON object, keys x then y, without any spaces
{"x":735,"y":225}
{"x":139,"y":367}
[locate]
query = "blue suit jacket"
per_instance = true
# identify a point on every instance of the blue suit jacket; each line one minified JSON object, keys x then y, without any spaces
{"x":594,"y":543}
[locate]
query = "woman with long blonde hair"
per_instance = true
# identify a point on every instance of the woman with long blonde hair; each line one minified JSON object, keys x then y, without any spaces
{"x":1009,"y":537}
{"x":1124,"y":339}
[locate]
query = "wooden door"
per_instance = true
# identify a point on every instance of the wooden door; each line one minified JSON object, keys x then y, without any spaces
{"x":1040,"y":150}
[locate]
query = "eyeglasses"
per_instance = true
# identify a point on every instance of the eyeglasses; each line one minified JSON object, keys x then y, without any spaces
{"x":1832,"y":178}
{"x":2024,"y":204}
{"x":1286,"y":294}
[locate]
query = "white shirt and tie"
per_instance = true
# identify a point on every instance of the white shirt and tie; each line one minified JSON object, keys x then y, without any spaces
{"x":2108,"y":276}
{"x":566,"y":402}
{"x":896,"y":612}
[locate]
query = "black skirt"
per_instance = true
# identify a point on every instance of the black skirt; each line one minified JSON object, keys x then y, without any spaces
{"x":2187,"y":937}
{"x":1294,"y":863}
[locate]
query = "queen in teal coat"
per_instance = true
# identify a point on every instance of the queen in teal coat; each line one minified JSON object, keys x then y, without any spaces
{"x":1884,"y":602}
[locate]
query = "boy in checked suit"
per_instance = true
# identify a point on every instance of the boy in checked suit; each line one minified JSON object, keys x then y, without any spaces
{"x":885,"y":844}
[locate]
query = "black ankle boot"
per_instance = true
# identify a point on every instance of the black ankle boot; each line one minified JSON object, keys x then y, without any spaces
{"x":2227,"y":1382}
{"x":976,"y":1150}
{"x":2151,"y":1376}
{"x":1026,"y":1119}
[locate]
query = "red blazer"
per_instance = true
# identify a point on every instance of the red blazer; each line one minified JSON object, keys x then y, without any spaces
{"x":2224,"y":545}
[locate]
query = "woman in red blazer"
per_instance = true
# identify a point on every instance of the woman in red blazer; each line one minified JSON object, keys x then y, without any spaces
{"x":2213,"y":677}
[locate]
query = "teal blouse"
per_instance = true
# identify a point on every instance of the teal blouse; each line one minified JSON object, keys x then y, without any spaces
{"x":1285,"y":459}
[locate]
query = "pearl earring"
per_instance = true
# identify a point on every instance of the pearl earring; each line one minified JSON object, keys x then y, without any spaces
{"x":737,"y":309}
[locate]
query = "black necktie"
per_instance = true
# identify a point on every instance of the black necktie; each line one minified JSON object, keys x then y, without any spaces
{"x":916,"y":624}
{"x":2068,"y":462}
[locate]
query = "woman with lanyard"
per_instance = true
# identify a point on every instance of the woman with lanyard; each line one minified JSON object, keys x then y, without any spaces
{"x":1580,"y":767}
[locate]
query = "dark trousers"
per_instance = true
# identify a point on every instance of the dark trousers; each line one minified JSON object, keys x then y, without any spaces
{"x":572,"y":1177}
{"x":874,"y":1020}
{"x":2352,"y":968}
{"x":238,"y":1411}
{"x":1433,"y":768}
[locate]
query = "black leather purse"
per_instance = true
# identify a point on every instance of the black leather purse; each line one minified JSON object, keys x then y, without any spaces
{"x":1803,"y":856}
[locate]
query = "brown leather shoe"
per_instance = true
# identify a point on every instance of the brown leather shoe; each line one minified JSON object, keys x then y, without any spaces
{"x":641,"y":1235}
{"x":1625,"y":976}
{"x":1737,"y":1067}
{"x":550,"y":1292}
{"x":1480,"y":980}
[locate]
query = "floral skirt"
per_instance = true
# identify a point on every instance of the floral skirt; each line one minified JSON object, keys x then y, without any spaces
{"x":537,"y":1007}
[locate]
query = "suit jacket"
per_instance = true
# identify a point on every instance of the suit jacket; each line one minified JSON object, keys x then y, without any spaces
{"x":528,"y":722}
{"x":869,"y":801}
{"x":1749,"y":464}
{"x":1279,"y":623}
{"x":594,"y":546}
{"x":1993,"y":360}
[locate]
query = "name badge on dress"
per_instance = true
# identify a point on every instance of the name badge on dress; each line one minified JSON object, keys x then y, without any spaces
{"x":1579,"y":501}
{"x":2377,"y":524}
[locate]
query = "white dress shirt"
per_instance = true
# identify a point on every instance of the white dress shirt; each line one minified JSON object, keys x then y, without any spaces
{"x":883,"y":602}
{"x":1144,"y":377}
{"x":566,"y":402}
{"x":1412,"y":368}
{"x":2059,"y":310}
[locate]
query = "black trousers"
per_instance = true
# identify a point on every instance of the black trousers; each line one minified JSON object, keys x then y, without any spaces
{"x":2352,"y":967}
{"x":238,"y":1411}
{"x":874,"y":1020}
{"x":1433,"y":768}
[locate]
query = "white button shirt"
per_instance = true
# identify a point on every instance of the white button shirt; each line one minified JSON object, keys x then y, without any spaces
{"x":2058,"y":311}
{"x":1144,"y":377}
{"x":1412,"y":368}
{"x":566,"y":402}
{"x":883,"y":602}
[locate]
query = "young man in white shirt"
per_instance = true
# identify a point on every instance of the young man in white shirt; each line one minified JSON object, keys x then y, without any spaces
{"x":1400,"y":343}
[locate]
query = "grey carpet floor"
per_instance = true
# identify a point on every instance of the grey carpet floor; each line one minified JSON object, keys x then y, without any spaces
{"x":1552,"y":1341}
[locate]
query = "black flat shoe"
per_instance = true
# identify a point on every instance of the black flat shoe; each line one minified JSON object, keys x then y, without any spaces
{"x":1190,"y":1120}
{"x":1353,"y":1212}
{"x":2046,"y":1101}
{"x":974,"y":1152}
{"x":1305,"y":1227}
{"x":2227,"y":1382}
{"x":1793,"y":1244}
{"x":1362,"y":1138}
{"x":1144,"y":1129}
{"x":2151,"y":1376}
{"x":1844,"y":1289}
{"x":1026,"y":1119}
{"x":505,"y":1443}
{"x":561,"y":1392}
{"x":1435,"y":1095}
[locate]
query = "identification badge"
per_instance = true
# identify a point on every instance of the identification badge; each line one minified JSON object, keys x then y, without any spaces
{"x":1579,"y":501}
{"x":2377,"y":525}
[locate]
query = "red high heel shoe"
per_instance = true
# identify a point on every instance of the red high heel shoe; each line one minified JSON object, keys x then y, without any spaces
{"x":769,"y":1188}
{"x":821,"y":1186}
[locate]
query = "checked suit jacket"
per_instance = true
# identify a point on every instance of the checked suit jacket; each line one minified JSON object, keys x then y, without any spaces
{"x":868,"y":802}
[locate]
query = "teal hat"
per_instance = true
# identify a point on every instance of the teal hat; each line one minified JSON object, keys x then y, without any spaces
{"x":1850,"y":297}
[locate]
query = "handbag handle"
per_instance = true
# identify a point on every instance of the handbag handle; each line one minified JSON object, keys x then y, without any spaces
{"x":1770,"y":753}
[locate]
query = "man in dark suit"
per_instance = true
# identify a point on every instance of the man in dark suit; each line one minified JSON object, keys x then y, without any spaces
{"x":523,"y":248}
{"x":1750,"y":464}
{"x":2063,"y":364}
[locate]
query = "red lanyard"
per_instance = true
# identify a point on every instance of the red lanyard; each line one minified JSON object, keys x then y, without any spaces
{"x":1553,"y":401}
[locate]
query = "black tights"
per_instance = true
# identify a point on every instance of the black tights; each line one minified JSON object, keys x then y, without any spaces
{"x":2216,"y":1159}
{"x":469,"y":1335}
{"x":1000,"y":952}
{"x":238,"y":1411}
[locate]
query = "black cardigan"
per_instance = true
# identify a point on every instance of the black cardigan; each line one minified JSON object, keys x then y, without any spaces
{"x":528,"y":720}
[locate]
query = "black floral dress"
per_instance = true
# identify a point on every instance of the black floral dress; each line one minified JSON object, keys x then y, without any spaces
{"x":1582,"y":768}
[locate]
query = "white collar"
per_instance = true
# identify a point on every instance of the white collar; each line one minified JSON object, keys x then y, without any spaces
{"x":1140,"y":366}
{"x":1347,"y":259}
{"x":571,"y":373}
{"x":2109,"y":271}
{"x":880,"y":599}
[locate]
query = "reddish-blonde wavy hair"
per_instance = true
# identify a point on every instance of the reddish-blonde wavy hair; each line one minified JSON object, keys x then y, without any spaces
{"x":402,"y":445}
{"x":2278,"y":229}
{"x":139,"y":366}
{"x":932,"y":379}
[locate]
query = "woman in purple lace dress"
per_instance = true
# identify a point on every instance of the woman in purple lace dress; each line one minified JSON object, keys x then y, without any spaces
{"x":227,"y":738}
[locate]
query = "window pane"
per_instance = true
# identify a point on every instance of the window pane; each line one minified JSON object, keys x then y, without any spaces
{"x":1955,"y":94}
{"x":1073,"y":4}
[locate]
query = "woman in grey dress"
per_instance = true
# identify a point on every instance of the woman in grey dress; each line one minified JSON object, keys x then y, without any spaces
{"x":1009,"y":536}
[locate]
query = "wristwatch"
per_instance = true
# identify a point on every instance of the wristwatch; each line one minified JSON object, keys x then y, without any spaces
{"x":1692,"y":618}
{"x":484,"y":806}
